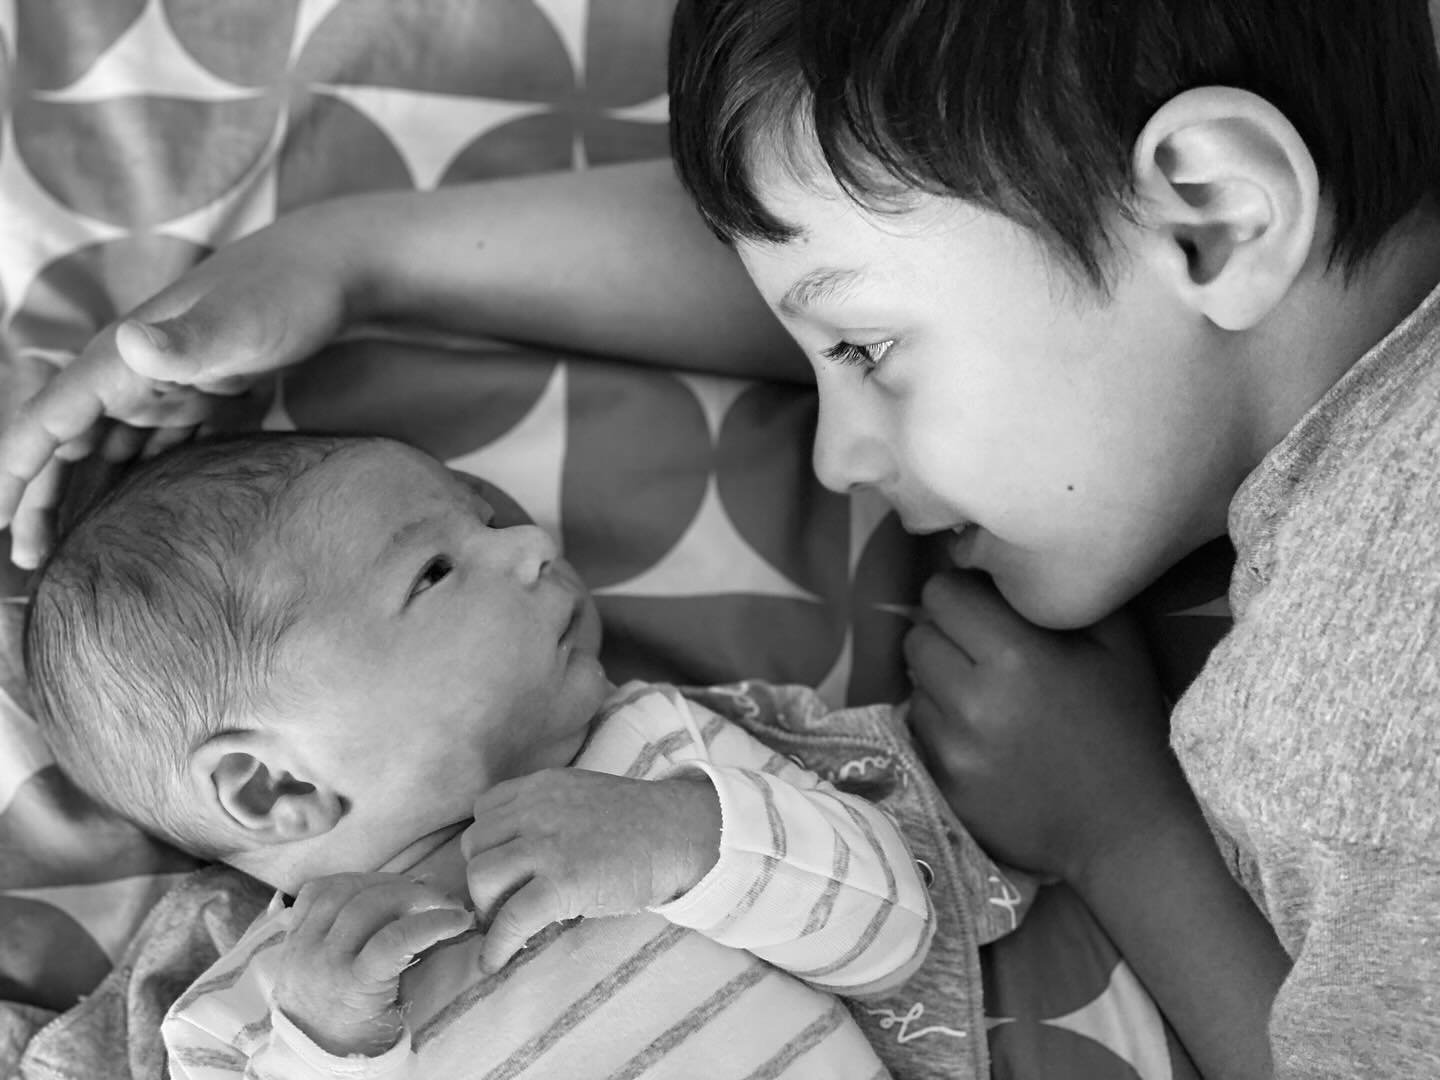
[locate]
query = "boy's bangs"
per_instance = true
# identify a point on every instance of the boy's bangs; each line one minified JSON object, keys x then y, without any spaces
{"x":738,"y":117}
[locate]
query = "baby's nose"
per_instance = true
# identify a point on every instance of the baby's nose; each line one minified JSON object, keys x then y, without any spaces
{"x":531,"y":550}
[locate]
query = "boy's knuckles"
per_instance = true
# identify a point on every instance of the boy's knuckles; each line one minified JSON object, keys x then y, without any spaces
{"x":938,"y":590}
{"x":1012,"y":660}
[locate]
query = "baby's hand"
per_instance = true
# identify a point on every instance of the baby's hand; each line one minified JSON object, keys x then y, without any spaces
{"x":350,"y":937}
{"x":568,"y":842}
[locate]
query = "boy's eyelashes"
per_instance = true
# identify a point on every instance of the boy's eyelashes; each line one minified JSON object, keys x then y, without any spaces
{"x":867,"y":355}
{"x":434,"y":571}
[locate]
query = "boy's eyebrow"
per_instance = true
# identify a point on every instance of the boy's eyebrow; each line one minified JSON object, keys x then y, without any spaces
{"x":824,"y":283}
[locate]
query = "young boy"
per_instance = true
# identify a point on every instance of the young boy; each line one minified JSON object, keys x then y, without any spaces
{"x":1086,"y":285}
{"x":316,"y":658}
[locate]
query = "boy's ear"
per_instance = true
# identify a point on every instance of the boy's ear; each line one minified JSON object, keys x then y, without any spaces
{"x":249,"y":782}
{"x":1231,"y":187}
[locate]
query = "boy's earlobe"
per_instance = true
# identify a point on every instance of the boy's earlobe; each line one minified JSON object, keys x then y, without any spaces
{"x":257,"y":794}
{"x":1229,"y":186}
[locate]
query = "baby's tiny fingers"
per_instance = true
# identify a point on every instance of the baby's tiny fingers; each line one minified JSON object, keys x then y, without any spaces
{"x":395,"y":945}
{"x":521,"y":917}
{"x":493,"y":875}
{"x":321,"y":901}
{"x":492,"y":829}
{"x":386,"y":899}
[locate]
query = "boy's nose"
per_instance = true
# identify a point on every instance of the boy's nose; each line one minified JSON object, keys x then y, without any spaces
{"x":848,"y":453}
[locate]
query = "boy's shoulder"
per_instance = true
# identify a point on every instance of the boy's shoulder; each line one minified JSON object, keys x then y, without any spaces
{"x":1322,"y":707}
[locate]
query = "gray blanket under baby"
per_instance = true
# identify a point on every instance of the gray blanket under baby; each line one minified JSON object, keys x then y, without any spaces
{"x":114,"y":1032}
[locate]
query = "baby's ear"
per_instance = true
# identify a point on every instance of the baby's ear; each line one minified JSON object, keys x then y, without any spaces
{"x":1229,"y":186}
{"x":246,"y":779}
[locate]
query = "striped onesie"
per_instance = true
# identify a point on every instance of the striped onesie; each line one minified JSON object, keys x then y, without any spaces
{"x":814,"y":892}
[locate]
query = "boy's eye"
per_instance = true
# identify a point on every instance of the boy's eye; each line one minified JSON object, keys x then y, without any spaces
{"x":867,"y":356}
{"x":435,"y":571}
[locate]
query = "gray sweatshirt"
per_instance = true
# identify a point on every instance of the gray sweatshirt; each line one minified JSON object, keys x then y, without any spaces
{"x":1312,"y":737}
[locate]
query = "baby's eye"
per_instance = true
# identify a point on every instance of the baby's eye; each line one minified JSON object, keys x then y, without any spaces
{"x":435,"y":571}
{"x":868,"y":356}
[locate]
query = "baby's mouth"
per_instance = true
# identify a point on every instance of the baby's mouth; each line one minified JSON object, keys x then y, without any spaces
{"x":568,"y":633}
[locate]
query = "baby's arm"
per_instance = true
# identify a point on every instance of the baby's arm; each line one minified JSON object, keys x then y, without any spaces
{"x":710,"y":829}
{"x":813,"y":880}
{"x":333,"y":1007}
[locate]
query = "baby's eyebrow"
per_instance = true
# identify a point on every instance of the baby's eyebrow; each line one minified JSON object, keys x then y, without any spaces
{"x":402,"y":537}
{"x":821,"y":284}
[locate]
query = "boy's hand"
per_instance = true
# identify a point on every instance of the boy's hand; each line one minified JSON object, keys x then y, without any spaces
{"x":266,"y":301}
{"x":350,"y":937}
{"x":568,"y":842}
{"x":1052,"y":748}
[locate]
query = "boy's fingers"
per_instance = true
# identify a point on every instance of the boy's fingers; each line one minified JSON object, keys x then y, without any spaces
{"x":82,"y":446}
{"x":123,"y":443}
{"x":162,"y":439}
{"x":63,"y":410}
{"x":32,"y":527}
{"x":936,"y":663}
{"x":224,"y":329}
{"x":970,"y":611}
{"x":392,"y":948}
{"x":927,"y":644}
{"x":523,"y":916}
{"x":941,"y":738}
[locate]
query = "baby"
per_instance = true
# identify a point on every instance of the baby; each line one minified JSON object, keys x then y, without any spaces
{"x":326,"y":662}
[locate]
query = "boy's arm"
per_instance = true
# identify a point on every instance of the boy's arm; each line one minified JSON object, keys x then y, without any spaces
{"x":818,"y":882}
{"x":611,"y":262}
{"x":1052,"y":748}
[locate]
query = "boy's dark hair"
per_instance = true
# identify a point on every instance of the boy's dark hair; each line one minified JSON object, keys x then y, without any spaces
{"x":154,"y":624}
{"x":1031,"y":108}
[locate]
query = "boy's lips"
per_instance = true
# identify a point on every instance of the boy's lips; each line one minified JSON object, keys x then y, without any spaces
{"x":959,"y":546}
{"x":962,"y":548}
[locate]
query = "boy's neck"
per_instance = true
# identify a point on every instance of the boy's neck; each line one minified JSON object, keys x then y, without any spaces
{"x":1328,"y":323}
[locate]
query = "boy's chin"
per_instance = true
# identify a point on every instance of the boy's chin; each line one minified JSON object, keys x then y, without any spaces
{"x":1061,"y":604}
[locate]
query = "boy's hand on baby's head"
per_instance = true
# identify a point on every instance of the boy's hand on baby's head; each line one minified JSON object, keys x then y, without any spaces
{"x":253,"y":307}
{"x":567,"y":842}
{"x":350,"y":937}
{"x":1051,"y":747}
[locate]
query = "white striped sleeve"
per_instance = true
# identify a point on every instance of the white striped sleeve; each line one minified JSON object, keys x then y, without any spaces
{"x":815,"y":881}
{"x":224,"y":1027}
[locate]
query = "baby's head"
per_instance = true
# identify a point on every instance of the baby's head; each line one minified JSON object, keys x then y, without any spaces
{"x":305,"y":654}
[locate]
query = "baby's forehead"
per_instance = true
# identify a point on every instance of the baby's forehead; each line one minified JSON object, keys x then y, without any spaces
{"x":362,"y":489}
